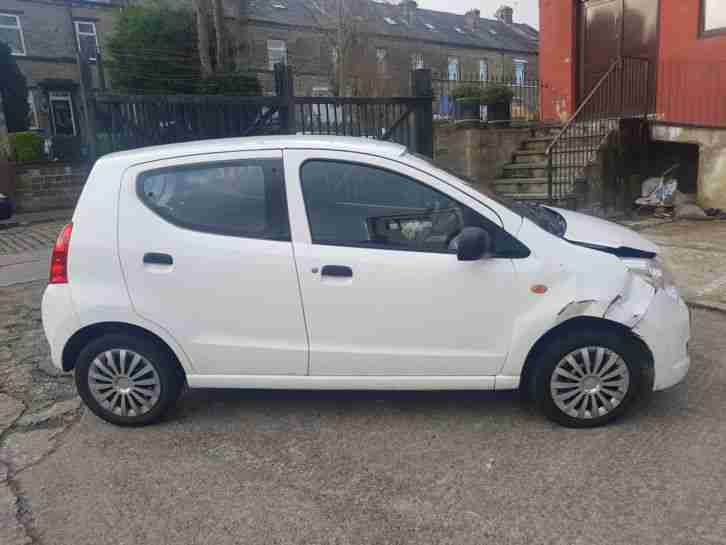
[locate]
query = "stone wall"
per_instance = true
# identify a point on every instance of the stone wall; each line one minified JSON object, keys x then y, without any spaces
{"x":475,"y":150}
{"x":48,"y":186}
{"x":711,"y":159}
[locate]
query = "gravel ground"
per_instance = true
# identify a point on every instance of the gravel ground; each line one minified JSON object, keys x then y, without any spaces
{"x":343,"y":468}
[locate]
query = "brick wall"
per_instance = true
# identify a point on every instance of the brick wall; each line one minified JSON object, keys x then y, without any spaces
{"x":476,"y":151}
{"x":48,"y":186}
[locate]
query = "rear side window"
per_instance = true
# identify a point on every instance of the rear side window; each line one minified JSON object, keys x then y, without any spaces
{"x":243,"y":198}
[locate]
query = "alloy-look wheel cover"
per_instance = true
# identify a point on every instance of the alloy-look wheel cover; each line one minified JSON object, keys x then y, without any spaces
{"x":124,"y":383}
{"x":589,"y":382}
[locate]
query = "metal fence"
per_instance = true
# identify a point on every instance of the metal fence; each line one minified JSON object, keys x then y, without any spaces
{"x":525,"y":101}
{"x":132,"y":121}
{"x":626,"y":90}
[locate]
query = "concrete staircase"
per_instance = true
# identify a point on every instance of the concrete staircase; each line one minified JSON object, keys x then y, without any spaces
{"x":525,"y":178}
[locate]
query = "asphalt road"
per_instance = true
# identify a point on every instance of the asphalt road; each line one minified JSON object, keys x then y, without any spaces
{"x":379,"y":468}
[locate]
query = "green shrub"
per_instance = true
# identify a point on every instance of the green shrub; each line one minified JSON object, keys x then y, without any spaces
{"x":470,"y":93}
{"x":497,"y":94}
{"x":238,"y":84}
{"x":25,"y":147}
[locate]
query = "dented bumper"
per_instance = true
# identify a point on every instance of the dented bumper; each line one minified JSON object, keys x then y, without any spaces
{"x":666,"y":329}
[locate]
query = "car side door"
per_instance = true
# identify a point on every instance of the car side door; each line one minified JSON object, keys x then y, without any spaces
{"x":383,"y":291}
{"x":205,"y":247}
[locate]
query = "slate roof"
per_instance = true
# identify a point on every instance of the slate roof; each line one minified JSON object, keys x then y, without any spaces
{"x":491,"y":34}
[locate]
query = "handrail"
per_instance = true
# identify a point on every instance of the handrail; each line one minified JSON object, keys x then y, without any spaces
{"x":585,"y":103}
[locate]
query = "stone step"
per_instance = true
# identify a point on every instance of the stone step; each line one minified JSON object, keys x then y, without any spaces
{"x":523,"y":186}
{"x":546,"y":131}
{"x":537,"y":144}
{"x":529,"y":156}
{"x":531,"y":170}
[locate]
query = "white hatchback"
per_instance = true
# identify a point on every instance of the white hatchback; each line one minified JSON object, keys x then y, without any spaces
{"x":348,"y":264}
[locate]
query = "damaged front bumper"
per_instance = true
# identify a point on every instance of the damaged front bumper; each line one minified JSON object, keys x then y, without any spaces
{"x":666,"y":329}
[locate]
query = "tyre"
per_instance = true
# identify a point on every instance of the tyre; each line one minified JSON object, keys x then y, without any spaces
{"x":589,"y":378}
{"x":127,"y":380}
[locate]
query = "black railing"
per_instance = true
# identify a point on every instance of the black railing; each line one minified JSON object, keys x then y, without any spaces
{"x":132,"y":121}
{"x":525,"y":99}
{"x":626,"y":90}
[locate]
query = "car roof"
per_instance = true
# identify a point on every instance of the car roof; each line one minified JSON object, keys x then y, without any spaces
{"x":254,"y":143}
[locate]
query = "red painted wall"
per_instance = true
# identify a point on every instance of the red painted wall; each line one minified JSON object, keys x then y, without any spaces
{"x":557,"y":59}
{"x":692,"y":69}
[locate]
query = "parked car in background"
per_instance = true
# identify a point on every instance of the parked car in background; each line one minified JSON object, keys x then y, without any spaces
{"x":341,"y":263}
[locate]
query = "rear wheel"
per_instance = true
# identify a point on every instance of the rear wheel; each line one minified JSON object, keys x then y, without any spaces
{"x":590,"y":378}
{"x":127,"y":380}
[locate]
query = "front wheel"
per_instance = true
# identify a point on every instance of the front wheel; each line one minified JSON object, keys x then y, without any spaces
{"x":127,"y":380}
{"x":590,"y":378}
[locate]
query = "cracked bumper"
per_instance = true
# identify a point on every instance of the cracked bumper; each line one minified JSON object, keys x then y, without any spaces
{"x":666,"y":329}
{"x":59,"y":320}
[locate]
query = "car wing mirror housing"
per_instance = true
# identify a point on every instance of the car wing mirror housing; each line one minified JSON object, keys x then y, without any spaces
{"x":473,"y":244}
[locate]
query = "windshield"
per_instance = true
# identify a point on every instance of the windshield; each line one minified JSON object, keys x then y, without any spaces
{"x":544,"y":217}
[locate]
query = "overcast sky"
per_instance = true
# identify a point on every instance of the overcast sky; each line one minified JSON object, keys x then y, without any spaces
{"x":525,"y":11}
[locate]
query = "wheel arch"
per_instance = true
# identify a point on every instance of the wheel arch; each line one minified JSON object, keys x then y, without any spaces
{"x":83,"y":336}
{"x":574,"y":324}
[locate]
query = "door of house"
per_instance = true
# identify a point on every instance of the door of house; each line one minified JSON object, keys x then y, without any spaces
{"x":600,"y":40}
{"x":610,"y":29}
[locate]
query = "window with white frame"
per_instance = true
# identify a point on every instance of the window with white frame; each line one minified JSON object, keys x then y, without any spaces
{"x":381,"y":60}
{"x":483,"y":70}
{"x":417,"y":62}
{"x":11,"y":32}
{"x":713,"y":16}
{"x":62,"y":116}
{"x":33,"y":112}
{"x":520,"y":70}
{"x":276,"y":52}
{"x":453,"y":69}
{"x":87,"y":39}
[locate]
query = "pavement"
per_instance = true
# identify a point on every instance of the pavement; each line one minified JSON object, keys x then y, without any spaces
{"x":231,"y":467}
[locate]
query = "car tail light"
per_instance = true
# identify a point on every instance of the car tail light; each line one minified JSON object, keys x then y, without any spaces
{"x":59,"y":258}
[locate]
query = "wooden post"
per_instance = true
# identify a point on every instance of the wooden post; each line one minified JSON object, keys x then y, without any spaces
{"x":285,"y":88}
{"x":424,"y":117}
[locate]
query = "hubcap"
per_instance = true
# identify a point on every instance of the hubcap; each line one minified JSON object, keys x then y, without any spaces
{"x":590,"y":382}
{"x":124,"y":382}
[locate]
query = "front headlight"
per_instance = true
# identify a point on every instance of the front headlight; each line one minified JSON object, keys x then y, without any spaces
{"x":656,"y":273}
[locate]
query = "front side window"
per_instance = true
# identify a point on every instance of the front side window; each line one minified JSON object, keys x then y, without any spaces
{"x":351,"y":204}
{"x":87,"y":40}
{"x":713,"y":16}
{"x":276,"y":52}
{"x":11,"y":32}
{"x":61,"y":107}
{"x":244,"y":198}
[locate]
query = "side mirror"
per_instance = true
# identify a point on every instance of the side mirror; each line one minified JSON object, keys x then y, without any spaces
{"x":473,"y":244}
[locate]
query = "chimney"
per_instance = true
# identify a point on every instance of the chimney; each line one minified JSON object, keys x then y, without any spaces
{"x":408,"y":11}
{"x":505,"y":14}
{"x":472,"y":19}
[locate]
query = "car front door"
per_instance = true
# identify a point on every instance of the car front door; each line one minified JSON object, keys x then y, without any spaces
{"x":383,"y":291}
{"x":206,"y":251}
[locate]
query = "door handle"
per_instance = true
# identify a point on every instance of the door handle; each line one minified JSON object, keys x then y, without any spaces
{"x":337,"y":271}
{"x":158,"y":259}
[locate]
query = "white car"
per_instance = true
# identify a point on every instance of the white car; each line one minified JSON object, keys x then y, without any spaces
{"x":349,"y":264}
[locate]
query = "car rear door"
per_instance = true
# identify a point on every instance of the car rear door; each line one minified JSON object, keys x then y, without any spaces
{"x":205,"y":248}
{"x":383,"y":293}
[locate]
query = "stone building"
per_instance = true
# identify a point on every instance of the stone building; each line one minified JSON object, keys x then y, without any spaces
{"x":45,"y":37}
{"x":387,"y":39}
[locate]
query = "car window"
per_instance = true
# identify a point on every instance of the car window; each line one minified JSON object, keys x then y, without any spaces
{"x":244,"y":198}
{"x":351,"y":204}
